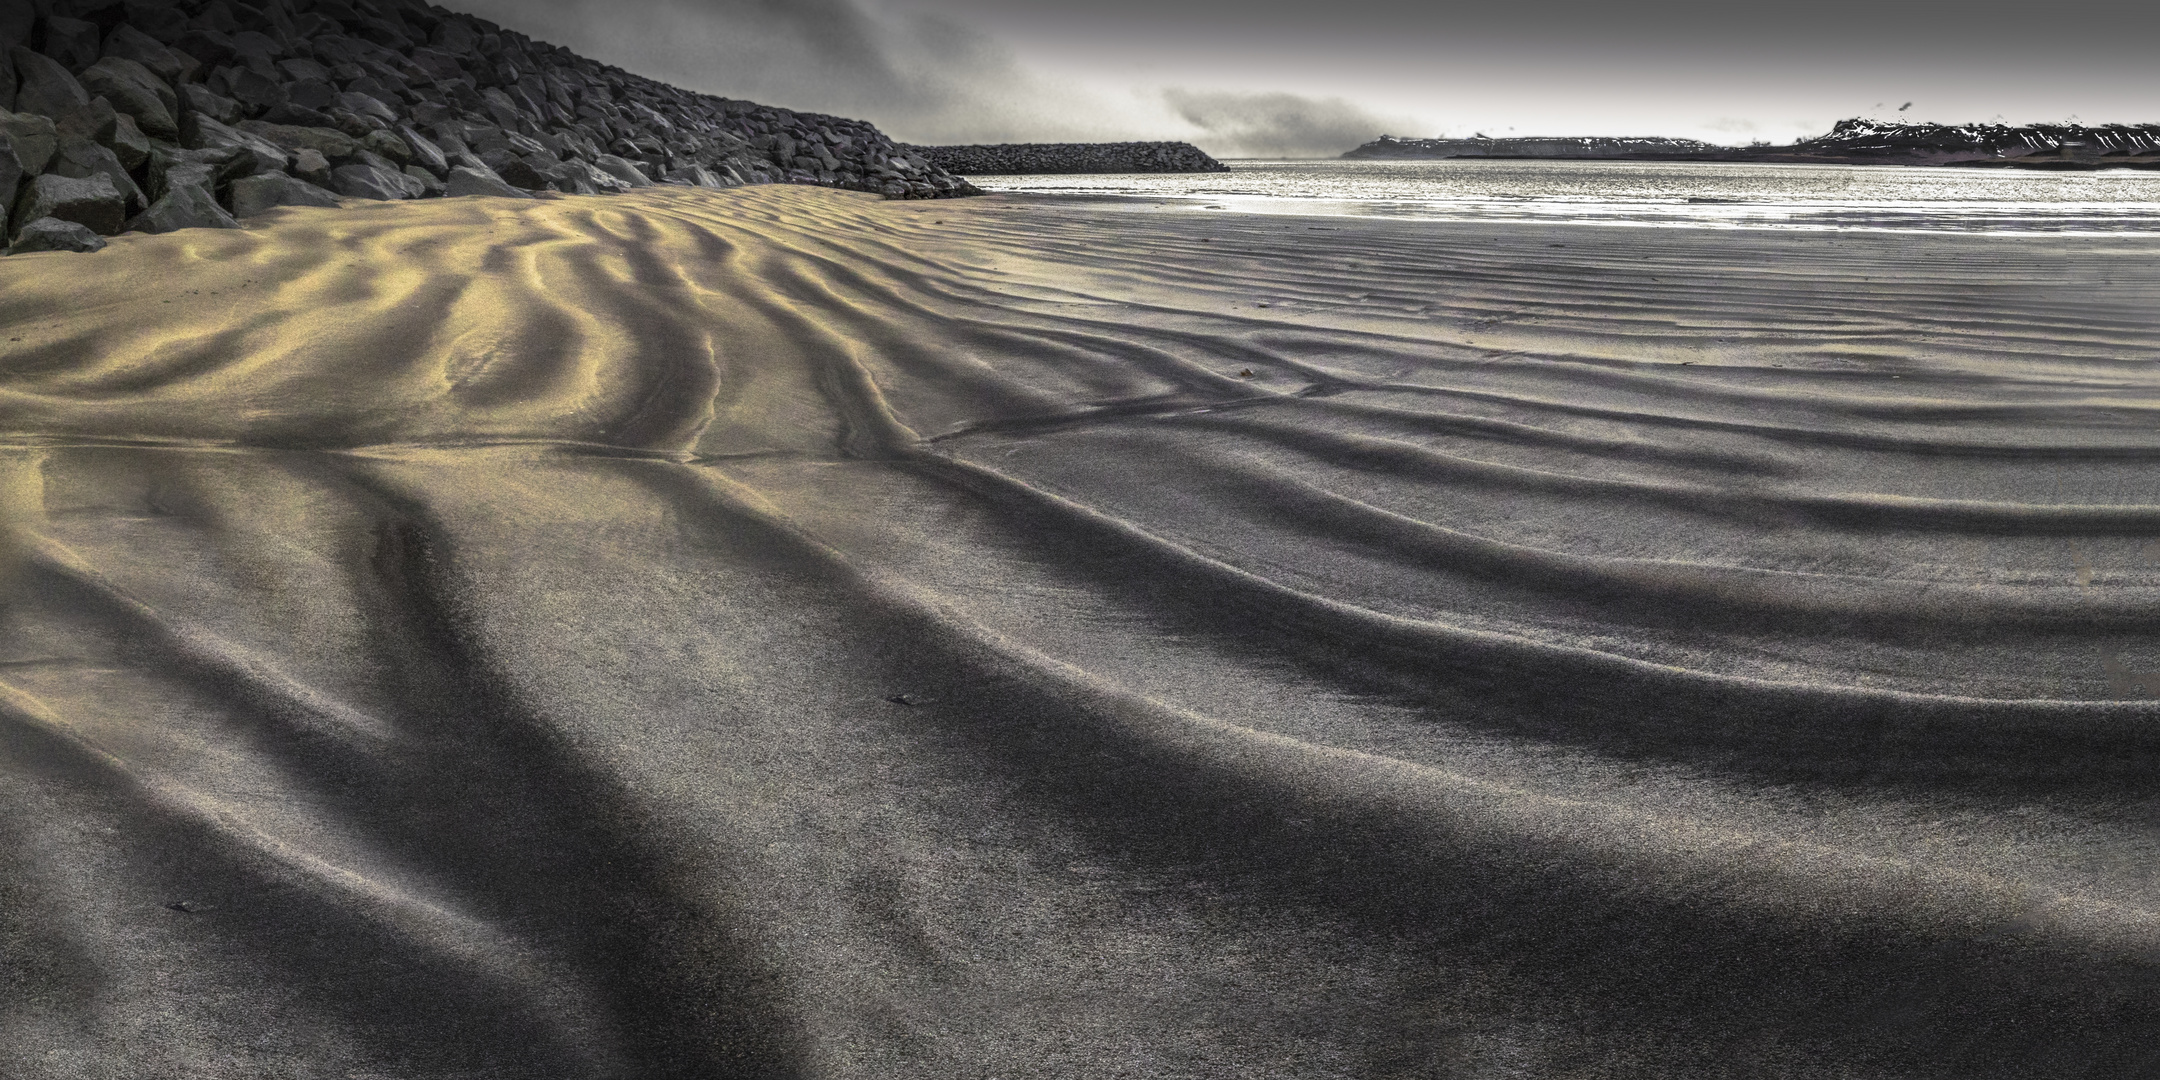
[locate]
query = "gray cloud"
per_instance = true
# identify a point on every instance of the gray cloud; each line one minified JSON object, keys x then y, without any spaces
{"x":922,"y":75}
{"x":1240,"y":124}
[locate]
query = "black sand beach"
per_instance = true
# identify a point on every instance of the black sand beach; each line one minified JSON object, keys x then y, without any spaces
{"x":779,"y":632}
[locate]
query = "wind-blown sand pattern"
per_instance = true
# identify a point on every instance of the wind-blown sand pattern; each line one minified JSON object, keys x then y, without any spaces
{"x":778,"y":632}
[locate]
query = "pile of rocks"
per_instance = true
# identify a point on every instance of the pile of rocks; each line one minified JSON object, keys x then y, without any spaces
{"x":156,"y":115}
{"x":1015,"y":159}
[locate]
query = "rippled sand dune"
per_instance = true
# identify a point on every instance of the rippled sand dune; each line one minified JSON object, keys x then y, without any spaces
{"x":780,"y":632}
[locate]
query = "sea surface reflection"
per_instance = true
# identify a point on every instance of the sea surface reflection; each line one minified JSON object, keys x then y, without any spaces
{"x":1671,"y":194}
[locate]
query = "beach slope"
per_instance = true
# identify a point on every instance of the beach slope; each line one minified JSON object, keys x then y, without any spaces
{"x":780,"y":632}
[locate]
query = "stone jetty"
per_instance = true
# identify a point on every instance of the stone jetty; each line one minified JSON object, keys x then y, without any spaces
{"x":156,"y":115}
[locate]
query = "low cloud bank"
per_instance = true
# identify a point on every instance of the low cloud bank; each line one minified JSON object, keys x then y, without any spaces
{"x":1244,"y":124}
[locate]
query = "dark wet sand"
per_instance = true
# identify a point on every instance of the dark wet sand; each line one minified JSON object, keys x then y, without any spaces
{"x":783,"y":633}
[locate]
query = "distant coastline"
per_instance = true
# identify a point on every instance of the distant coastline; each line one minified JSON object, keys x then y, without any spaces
{"x":1850,"y":142}
{"x":1017,"y":159}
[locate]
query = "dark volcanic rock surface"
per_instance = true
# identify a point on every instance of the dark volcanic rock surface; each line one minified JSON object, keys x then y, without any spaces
{"x":1012,"y":159}
{"x":381,"y":99}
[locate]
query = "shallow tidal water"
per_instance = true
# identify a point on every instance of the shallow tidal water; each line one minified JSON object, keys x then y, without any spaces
{"x":1711,"y":195}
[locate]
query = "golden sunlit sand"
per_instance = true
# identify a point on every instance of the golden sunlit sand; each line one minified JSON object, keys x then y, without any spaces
{"x":785,"y":632}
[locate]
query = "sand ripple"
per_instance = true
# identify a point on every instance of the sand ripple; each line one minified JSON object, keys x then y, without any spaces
{"x":780,"y":632}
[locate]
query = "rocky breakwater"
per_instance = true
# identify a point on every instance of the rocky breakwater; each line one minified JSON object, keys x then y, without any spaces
{"x":1013,"y":159}
{"x":1564,"y":147}
{"x":156,"y":115}
{"x":1850,"y":142}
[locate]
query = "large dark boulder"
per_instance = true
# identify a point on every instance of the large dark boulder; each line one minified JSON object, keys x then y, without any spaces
{"x":332,"y":144}
{"x":128,"y":43}
{"x":36,"y":139}
{"x":317,"y":94}
{"x":92,"y":202}
{"x":514,"y":170}
{"x":431,"y":186}
{"x":311,"y":166}
{"x":256,"y":92}
{"x":366,"y":105}
{"x":160,"y":19}
{"x":81,"y":159}
{"x":55,"y":234}
{"x":128,"y":143}
{"x":258,"y":194}
{"x":136,"y":91}
{"x":210,"y":103}
{"x":621,"y":169}
{"x":469,"y":181}
{"x":7,"y":76}
{"x":17,"y":20}
{"x":186,"y":206}
{"x":202,"y":133}
{"x":370,"y":182}
{"x":46,"y":88}
{"x":387,"y":145}
{"x":425,"y":153}
{"x":71,"y":42}
{"x":209,"y":47}
{"x":171,"y":174}
{"x":12,"y":175}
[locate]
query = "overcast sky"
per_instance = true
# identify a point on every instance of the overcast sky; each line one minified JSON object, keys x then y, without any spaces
{"x":1315,"y":77}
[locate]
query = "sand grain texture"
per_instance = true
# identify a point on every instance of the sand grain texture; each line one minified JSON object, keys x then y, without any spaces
{"x":778,"y":632}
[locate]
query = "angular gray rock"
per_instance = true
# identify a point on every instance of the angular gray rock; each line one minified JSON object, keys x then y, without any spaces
{"x":387,"y":145}
{"x":216,"y":106}
{"x":255,"y":194}
{"x":310,"y":165}
{"x":91,"y":202}
{"x":186,"y":206}
{"x":7,"y":76}
{"x":431,"y":186}
{"x":184,"y":174}
{"x":514,"y":170}
{"x":160,"y":20}
{"x":46,"y":88}
{"x":332,"y":144}
{"x":425,"y":153}
{"x":621,"y":169}
{"x":255,"y":91}
{"x":128,"y":143}
{"x":36,"y":139}
{"x":54,"y":234}
{"x":698,"y":175}
{"x":136,"y":91}
{"x":80,"y":159}
{"x":72,"y":42}
{"x":202,"y":133}
{"x":11,"y":178}
{"x":128,"y":43}
{"x":370,"y":182}
{"x":317,"y":94}
{"x":366,"y":105}
{"x":464,"y":180}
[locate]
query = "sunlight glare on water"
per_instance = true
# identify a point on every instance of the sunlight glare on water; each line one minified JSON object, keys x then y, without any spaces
{"x":1671,"y":194}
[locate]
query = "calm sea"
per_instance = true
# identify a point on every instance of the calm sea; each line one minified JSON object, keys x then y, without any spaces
{"x":1668,"y":194}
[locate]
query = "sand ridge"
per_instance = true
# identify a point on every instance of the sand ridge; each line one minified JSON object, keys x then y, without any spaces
{"x":783,"y":632}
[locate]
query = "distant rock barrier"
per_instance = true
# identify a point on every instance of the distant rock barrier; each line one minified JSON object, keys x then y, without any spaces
{"x":156,"y":115}
{"x":1850,"y":142}
{"x":1388,"y":146}
{"x":1014,"y":159}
